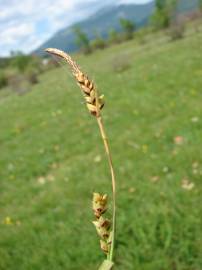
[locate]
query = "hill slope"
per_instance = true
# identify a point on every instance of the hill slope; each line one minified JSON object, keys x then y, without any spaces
{"x":52,"y":160}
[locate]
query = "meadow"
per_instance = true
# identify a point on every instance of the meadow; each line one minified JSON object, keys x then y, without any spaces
{"x":52,"y":160}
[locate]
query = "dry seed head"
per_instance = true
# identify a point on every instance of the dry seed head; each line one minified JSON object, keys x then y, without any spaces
{"x":93,"y":101}
{"x":99,"y":204}
{"x":102,"y":231}
{"x":104,"y":246}
{"x":102,"y":224}
{"x":98,"y":198}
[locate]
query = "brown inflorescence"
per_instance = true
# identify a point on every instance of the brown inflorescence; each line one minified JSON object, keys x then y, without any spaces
{"x":94,"y":102}
{"x":102,"y":224}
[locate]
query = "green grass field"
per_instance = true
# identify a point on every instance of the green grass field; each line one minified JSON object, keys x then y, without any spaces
{"x":52,"y":160}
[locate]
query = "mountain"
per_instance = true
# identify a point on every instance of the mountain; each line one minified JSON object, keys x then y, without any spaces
{"x":101,"y":22}
{"x":187,"y":5}
{"x":104,"y":20}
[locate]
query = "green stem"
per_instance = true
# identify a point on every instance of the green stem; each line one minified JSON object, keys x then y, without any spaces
{"x":109,"y":157}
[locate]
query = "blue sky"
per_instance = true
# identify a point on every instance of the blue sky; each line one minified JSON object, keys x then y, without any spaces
{"x":25,"y":24}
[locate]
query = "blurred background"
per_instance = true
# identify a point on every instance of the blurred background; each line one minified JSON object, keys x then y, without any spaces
{"x":146,"y":58}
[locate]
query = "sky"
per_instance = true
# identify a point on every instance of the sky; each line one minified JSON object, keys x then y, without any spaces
{"x":26,"y":24}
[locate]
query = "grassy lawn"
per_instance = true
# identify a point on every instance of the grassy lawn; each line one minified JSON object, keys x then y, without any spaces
{"x":52,"y":159}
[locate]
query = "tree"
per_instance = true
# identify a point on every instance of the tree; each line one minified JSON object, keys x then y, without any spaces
{"x":177,"y":29}
{"x":3,"y":80}
{"x":164,"y":13}
{"x":160,"y":4}
{"x":82,"y":39}
{"x":128,"y":27}
{"x":20,"y":61}
{"x":200,"y":5}
{"x":98,"y":42}
{"x":114,"y":36}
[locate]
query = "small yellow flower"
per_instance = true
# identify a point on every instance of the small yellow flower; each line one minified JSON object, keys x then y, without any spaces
{"x":56,"y":148}
{"x":12,"y":177}
{"x":8,"y":221}
{"x":193,"y":92}
{"x":145,"y":148}
{"x":97,"y":159}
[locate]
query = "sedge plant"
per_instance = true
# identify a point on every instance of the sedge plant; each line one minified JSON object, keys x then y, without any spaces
{"x":105,"y":228}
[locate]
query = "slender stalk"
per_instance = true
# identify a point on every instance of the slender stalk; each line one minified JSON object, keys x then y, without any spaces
{"x":94,"y":104}
{"x":109,"y":157}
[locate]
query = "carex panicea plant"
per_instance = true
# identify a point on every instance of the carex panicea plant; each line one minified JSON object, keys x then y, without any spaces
{"x":104,"y":227}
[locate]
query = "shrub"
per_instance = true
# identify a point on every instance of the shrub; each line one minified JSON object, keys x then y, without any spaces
{"x":98,"y":43}
{"x":82,"y":40}
{"x":114,"y":37}
{"x":20,"y":61}
{"x":121,"y":63}
{"x":18,"y":83}
{"x":21,"y":82}
{"x":141,"y":36}
{"x":3,"y":80}
{"x":128,"y":28}
{"x":177,"y":30}
{"x":164,"y":13}
{"x":31,"y":76}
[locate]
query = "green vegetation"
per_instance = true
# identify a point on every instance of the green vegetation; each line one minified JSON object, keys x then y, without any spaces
{"x":98,"y":42}
{"x":86,"y":46}
{"x":20,"y":71}
{"x":114,"y":37}
{"x":128,"y":28}
{"x":50,"y":166}
{"x":164,"y":14}
{"x":200,"y":5}
{"x":82,"y":39}
{"x":3,"y":80}
{"x":21,"y":61}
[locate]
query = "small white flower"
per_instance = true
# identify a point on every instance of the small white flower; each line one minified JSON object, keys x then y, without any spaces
{"x":195,"y":119}
{"x":41,"y":180}
{"x":186,"y":184}
{"x":97,"y":159}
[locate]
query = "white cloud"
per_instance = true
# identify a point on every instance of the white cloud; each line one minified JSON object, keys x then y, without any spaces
{"x":20,"y":27}
{"x":134,"y":1}
{"x":4,"y":14}
{"x":31,"y":43}
{"x":9,"y":35}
